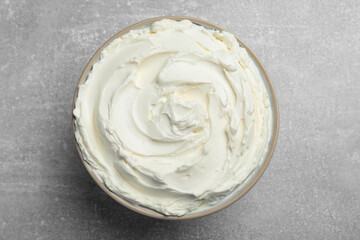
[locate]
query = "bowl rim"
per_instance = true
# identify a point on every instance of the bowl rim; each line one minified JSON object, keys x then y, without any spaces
{"x":233,"y":199}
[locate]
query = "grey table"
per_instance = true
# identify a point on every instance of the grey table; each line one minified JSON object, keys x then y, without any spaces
{"x":311,"y":189}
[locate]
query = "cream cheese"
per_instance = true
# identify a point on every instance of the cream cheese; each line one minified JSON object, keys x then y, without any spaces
{"x":173,"y":116}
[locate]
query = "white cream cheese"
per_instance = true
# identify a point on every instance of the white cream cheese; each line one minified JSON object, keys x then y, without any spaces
{"x":173,"y":116}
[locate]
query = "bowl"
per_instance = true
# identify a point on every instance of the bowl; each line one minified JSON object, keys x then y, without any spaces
{"x":242,"y":188}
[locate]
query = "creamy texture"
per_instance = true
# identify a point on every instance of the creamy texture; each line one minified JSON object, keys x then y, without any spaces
{"x":173,"y":116}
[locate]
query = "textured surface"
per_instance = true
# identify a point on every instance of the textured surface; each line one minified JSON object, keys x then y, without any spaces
{"x":311,"y":187}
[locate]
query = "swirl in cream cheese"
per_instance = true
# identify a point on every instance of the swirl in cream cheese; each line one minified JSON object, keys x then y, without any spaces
{"x":173,"y":116}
